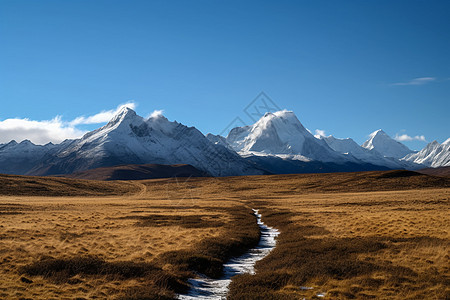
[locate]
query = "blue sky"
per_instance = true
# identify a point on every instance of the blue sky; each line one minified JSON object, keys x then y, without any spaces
{"x":344,"y":67}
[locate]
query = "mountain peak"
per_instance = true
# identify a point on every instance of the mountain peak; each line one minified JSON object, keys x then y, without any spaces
{"x":381,"y":142}
{"x":157,"y":116}
{"x":280,"y":133}
{"x":26,"y":142}
{"x":326,"y":138}
{"x":280,"y":120}
{"x":378,"y":132}
{"x":280,"y":114}
{"x":375,"y":137}
{"x":284,"y":114}
{"x":120,"y":122}
{"x":12,"y":143}
{"x":125,"y":113}
{"x":434,"y":143}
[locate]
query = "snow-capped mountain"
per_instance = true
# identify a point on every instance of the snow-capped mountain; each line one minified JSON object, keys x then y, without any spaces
{"x":433,"y":155}
{"x":281,"y":134}
{"x":276,"y":143}
{"x":385,"y":145}
{"x":131,"y":139}
{"x":19,"y":158}
{"x":350,"y":147}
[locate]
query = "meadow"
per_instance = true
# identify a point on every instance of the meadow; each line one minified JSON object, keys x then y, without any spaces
{"x":343,"y":236}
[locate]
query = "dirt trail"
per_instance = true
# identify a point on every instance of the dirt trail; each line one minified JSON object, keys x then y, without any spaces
{"x":141,"y":190}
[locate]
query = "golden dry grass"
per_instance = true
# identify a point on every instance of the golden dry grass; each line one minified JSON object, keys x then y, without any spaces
{"x":32,"y":228}
{"x":16,"y":185}
{"x":383,"y":245}
{"x":352,"y":235}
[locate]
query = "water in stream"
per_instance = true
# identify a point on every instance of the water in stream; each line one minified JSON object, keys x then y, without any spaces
{"x":204,"y":288}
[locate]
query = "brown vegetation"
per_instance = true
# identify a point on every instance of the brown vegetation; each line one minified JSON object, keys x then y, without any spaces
{"x":17,"y":185}
{"x":138,"y":172}
{"x":380,"y":245}
{"x":348,"y":235}
{"x":442,"y":171}
{"x":110,"y":247}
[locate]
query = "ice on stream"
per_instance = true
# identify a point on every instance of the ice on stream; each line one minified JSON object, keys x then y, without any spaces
{"x":204,"y":288}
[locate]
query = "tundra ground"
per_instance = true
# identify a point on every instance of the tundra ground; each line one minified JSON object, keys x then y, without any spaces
{"x":353,"y":235}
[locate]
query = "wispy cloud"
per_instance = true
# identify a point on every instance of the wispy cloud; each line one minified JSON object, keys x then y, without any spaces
{"x":319,"y":133}
{"x":39,"y":132}
{"x":55,"y":130}
{"x":103,"y":116}
{"x":407,"y":138}
{"x":156,"y":113}
{"x":417,"y":81}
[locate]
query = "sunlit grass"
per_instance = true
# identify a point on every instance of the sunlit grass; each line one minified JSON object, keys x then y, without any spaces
{"x":354,"y":235}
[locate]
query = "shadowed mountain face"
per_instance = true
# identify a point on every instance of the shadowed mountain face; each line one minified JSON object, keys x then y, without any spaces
{"x":139,"y":172}
{"x":277,"y":165}
{"x":20,"y":158}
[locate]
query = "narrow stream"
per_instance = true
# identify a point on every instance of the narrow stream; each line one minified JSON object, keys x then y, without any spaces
{"x":205,"y":288}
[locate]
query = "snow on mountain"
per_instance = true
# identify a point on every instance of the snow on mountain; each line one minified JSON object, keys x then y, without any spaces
{"x":19,"y":158}
{"x":277,"y":143}
{"x":281,"y":134}
{"x":385,"y":145}
{"x":433,"y":155}
{"x":345,"y":146}
{"x":130,"y":139}
{"x":219,"y":140}
{"x":350,"y":147}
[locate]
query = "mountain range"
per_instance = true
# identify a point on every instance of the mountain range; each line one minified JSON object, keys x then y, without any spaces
{"x":276,"y":143}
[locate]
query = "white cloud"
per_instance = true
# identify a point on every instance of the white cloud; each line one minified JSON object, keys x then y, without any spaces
{"x":319,"y":133}
{"x":407,"y":138}
{"x":156,"y":113}
{"x":55,"y":130}
{"x":39,"y":132}
{"x":103,"y":116}
{"x":417,"y":81}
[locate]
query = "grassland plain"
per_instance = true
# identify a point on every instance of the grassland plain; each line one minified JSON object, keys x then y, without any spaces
{"x":349,"y":235}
